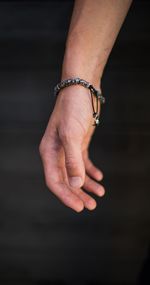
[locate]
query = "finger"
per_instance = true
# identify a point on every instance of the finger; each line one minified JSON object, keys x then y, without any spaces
{"x":54,"y":178}
{"x":60,"y":189}
{"x":92,"y":170}
{"x":74,"y":163}
{"x":92,"y":186}
{"x":88,"y":201}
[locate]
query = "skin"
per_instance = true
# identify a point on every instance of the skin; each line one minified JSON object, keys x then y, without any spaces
{"x":64,"y":146}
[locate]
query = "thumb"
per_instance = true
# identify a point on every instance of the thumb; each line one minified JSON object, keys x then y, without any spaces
{"x":74,"y":163}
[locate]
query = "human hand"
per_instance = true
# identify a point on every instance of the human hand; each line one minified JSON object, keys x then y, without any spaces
{"x":64,"y":150}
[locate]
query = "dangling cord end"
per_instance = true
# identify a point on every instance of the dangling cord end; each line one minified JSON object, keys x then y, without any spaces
{"x":95,"y":113}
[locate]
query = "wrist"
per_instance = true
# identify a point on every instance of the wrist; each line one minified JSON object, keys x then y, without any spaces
{"x":75,"y":64}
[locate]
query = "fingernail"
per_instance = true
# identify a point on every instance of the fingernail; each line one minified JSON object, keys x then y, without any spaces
{"x":80,"y":208}
{"x":92,"y":205}
{"x":101,"y":191}
{"x":99,"y":176}
{"x":75,"y":181}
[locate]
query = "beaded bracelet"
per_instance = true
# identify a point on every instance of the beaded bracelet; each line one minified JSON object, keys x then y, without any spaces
{"x":86,"y":84}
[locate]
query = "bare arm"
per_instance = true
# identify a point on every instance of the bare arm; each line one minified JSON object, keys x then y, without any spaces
{"x":93,"y":30}
{"x":64,"y":147}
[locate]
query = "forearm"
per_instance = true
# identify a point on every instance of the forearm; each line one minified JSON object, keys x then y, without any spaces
{"x":93,"y":29}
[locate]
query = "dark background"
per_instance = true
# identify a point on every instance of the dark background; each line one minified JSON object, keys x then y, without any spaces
{"x":41,"y":241}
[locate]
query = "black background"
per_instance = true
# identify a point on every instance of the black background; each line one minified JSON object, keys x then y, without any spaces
{"x":42,"y":241}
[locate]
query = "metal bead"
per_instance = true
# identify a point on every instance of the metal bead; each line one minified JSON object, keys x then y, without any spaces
{"x":62,"y":84}
{"x":102,"y":99}
{"x":77,"y":80}
{"x":82,"y":82}
{"x":97,"y":121}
